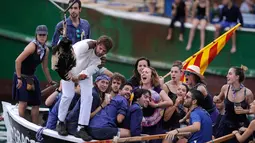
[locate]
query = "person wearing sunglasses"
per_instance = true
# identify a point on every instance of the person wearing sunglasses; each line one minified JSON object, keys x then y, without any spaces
{"x":200,"y":124}
{"x":77,"y":28}
{"x":26,"y":86}
{"x":195,"y":80}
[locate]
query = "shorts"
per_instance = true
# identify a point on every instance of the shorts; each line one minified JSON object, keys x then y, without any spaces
{"x":33,"y":98}
{"x":225,"y":24}
{"x":200,"y":17}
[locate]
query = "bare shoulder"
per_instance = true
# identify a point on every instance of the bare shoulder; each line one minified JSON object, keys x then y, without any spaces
{"x":202,"y":89}
{"x":248,"y":91}
{"x":224,"y":87}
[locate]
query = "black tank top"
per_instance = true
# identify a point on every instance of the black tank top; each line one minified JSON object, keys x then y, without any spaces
{"x":28,"y":66}
{"x":173,"y":122}
{"x":230,"y":112}
{"x":200,"y":11}
{"x":208,"y":101}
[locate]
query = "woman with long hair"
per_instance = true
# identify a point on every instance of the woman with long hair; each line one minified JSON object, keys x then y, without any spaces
{"x":152,"y":121}
{"x":140,"y":64}
{"x":195,"y":80}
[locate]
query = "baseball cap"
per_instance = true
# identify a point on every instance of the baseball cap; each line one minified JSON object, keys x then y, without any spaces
{"x":41,"y":29}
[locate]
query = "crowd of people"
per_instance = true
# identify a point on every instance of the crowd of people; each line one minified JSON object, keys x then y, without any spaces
{"x":112,"y":105}
{"x":225,"y":15}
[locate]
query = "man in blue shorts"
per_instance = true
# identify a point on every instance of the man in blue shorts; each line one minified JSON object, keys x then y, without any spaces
{"x":230,"y":13}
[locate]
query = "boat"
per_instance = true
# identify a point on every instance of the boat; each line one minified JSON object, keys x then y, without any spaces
{"x":131,"y":36}
{"x":21,"y":130}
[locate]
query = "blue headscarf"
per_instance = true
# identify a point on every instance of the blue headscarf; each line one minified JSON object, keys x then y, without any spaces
{"x":102,"y":77}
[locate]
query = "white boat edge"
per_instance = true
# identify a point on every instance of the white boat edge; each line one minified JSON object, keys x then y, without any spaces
{"x":9,"y":108}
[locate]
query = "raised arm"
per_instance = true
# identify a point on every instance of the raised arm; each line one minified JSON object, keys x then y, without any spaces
{"x":222,"y":95}
{"x":56,"y":34}
{"x":166,"y":101}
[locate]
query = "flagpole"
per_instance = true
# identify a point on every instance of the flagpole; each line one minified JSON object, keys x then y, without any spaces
{"x":209,"y":45}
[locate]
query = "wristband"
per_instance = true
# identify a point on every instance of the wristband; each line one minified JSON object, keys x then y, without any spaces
{"x":20,"y":78}
{"x":177,"y":131}
{"x":51,"y":83}
{"x":101,"y":106}
{"x":57,"y":90}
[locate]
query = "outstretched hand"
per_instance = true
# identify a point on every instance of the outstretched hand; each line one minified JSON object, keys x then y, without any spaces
{"x":170,"y":135}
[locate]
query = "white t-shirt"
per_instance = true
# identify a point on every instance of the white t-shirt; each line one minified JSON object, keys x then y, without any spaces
{"x":86,"y":59}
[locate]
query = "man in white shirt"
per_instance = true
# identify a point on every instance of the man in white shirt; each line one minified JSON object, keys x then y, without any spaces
{"x":88,"y":53}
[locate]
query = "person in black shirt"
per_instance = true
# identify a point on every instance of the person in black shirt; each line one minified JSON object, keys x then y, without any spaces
{"x":140,"y":64}
{"x":26,"y":86}
{"x":179,"y":11}
{"x":230,"y":13}
{"x":200,"y":15}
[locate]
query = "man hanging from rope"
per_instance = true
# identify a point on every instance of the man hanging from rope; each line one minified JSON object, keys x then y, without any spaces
{"x":88,"y":53}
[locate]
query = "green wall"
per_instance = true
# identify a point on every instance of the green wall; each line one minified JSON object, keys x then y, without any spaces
{"x":132,"y":38}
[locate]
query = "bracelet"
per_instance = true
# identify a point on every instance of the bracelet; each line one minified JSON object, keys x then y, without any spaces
{"x":101,"y":106}
{"x":20,"y":78}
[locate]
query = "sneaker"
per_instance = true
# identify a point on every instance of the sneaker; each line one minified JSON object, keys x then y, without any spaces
{"x":61,"y":129}
{"x":83,"y":134}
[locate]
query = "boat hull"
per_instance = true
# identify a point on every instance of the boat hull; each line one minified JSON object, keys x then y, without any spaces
{"x":20,"y":130}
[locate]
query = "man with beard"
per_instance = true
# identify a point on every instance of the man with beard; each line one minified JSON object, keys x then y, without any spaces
{"x":77,"y":29}
{"x":88,"y":53}
{"x":99,"y":102}
{"x":104,"y":124}
{"x":116,"y":80}
{"x":200,"y":121}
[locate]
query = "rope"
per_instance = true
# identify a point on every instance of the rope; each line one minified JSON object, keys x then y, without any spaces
{"x":38,"y":135}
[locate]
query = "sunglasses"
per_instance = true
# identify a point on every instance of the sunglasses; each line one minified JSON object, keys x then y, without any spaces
{"x":42,"y":34}
{"x":186,"y":73}
{"x":78,"y":33}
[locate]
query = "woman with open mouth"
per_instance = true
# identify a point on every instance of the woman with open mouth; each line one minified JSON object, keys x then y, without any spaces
{"x":236,"y":97}
{"x":195,"y":80}
{"x":152,"y":122}
{"x":140,"y":64}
